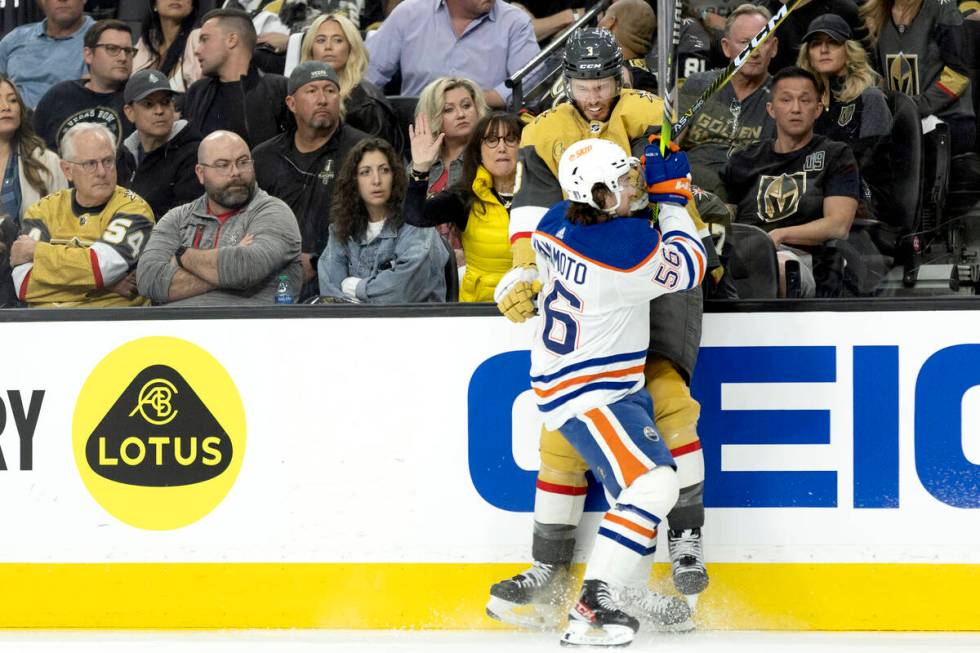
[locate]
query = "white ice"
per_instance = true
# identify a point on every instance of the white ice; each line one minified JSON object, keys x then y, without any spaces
{"x":297,"y":641}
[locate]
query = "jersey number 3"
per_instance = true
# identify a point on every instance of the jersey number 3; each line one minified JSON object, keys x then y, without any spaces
{"x":560,"y":327}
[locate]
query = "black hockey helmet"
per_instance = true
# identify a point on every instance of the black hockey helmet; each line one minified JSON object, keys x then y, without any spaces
{"x":592,"y":53}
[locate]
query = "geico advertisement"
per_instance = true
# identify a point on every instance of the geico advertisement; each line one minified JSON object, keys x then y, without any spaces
{"x":827,"y":438}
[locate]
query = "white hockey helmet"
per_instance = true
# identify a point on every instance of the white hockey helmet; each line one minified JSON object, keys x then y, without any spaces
{"x":593,"y":161}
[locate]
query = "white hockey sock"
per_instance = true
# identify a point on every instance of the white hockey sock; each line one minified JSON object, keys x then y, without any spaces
{"x":627,"y":533}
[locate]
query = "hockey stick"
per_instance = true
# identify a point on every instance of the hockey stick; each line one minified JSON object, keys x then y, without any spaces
{"x":669,"y":20}
{"x":669,"y":130}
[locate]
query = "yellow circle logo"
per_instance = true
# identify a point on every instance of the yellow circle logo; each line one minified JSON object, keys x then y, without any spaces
{"x":159,"y":433}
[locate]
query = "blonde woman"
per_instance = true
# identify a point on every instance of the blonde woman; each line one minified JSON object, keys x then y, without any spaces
{"x":855,"y":109}
{"x":334,"y":40}
{"x":451,"y":106}
{"x":920,"y":47}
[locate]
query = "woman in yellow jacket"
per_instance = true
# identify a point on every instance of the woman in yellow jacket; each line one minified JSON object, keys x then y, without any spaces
{"x":478,"y":205}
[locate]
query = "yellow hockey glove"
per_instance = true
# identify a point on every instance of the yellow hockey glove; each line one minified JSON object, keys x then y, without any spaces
{"x":517,"y":289}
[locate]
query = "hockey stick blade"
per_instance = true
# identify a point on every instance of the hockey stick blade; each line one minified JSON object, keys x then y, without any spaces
{"x":733,"y":66}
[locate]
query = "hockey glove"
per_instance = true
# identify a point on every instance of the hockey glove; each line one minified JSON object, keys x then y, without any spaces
{"x":667,"y":178}
{"x":517,"y":289}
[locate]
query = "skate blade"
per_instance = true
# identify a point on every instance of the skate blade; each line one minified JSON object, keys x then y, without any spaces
{"x":580,"y":633}
{"x":530,"y":616}
{"x":692,"y":601}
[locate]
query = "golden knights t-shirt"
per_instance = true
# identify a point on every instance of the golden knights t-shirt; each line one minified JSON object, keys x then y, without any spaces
{"x":775,"y":190}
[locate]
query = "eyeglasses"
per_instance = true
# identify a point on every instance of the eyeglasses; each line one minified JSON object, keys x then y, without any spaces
{"x":224,"y":167}
{"x":510,"y":140}
{"x":91,"y":165}
{"x":113,"y":50}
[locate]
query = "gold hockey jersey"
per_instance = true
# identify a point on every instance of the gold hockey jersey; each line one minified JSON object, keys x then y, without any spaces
{"x":82,"y":252}
{"x":545,"y":139}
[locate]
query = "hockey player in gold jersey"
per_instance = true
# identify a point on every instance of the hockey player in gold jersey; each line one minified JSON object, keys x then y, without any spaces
{"x":79,"y":246}
{"x":600,"y":108}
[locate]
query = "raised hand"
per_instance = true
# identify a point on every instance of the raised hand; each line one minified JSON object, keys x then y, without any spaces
{"x":425,"y":148}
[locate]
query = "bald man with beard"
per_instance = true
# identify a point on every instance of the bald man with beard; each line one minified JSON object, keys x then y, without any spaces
{"x":228,"y":247}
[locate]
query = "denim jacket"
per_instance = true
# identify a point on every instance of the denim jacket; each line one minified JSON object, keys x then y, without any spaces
{"x":398,"y":267}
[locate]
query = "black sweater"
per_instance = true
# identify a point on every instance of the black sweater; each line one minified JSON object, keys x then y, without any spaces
{"x":254,"y":107}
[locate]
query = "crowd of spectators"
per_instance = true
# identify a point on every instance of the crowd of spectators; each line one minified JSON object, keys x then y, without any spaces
{"x":198,"y":155}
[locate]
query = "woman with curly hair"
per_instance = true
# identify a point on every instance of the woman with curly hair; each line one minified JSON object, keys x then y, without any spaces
{"x":478,"y":205}
{"x":372,"y":255}
{"x":167,"y":41}
{"x":855,"y":109}
{"x":334,"y":40}
{"x":920,"y":45}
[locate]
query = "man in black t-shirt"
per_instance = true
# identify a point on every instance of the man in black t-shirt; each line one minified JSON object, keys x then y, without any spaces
{"x":801,"y":188}
{"x":300,"y":166}
{"x":108,"y":52}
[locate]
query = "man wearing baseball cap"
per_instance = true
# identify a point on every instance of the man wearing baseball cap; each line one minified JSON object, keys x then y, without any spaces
{"x":299,"y":167}
{"x":157,"y":160}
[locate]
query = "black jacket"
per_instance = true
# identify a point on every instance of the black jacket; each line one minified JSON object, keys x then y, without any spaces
{"x":308,"y":191}
{"x":367,"y":109}
{"x":261,"y":115}
{"x":165,"y":177}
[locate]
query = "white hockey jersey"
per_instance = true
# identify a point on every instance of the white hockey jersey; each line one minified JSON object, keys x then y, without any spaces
{"x":590,"y":346}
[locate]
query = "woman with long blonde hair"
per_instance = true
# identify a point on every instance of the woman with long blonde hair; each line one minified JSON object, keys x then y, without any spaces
{"x":855,"y":109}
{"x":920,"y":49}
{"x":334,"y":40}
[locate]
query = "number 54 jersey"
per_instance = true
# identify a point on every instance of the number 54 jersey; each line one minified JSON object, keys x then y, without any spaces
{"x":81,"y":251}
{"x":590,"y":346}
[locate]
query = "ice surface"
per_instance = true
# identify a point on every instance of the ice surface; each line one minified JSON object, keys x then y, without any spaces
{"x":469,"y":642}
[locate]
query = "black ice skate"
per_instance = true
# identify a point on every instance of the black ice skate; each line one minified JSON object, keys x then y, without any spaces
{"x":687,"y":561}
{"x":531,"y":599}
{"x":596,"y":620}
{"x":668,"y":614}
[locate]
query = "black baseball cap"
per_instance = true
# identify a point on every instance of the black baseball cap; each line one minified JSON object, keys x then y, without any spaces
{"x":830,"y":24}
{"x":145,"y":82}
{"x":310,"y":71}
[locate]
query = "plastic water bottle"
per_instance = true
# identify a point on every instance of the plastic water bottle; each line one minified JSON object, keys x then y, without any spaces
{"x":282,"y":290}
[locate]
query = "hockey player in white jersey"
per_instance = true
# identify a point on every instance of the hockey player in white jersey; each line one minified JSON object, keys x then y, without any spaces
{"x":597,"y":274}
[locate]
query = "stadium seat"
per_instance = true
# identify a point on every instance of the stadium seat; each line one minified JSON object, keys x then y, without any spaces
{"x":752,"y":262}
{"x":896,"y":183}
{"x":404,"y":106}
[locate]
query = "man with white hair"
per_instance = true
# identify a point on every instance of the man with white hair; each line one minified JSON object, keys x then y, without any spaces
{"x":79,"y":246}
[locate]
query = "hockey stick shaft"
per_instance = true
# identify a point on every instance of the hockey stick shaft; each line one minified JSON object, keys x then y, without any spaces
{"x":670,"y":96}
{"x":733,"y":67}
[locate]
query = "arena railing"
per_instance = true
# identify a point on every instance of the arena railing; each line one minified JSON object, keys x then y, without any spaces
{"x":302,"y":311}
{"x":516,"y":82}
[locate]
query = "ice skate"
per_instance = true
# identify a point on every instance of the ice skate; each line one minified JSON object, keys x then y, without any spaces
{"x":531,"y":599}
{"x":596,"y":619}
{"x":669,"y":614}
{"x":687,"y":562}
